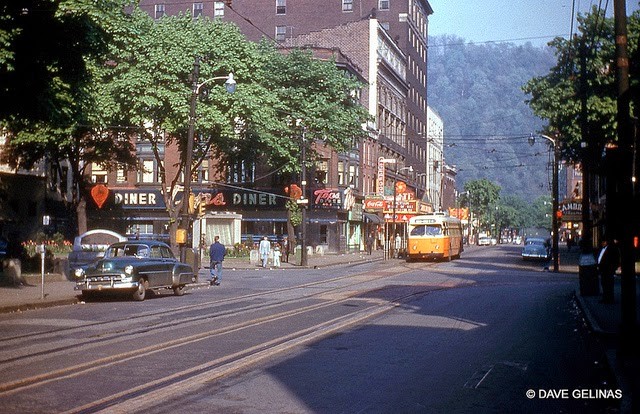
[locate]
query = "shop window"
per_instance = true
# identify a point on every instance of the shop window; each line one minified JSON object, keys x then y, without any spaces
{"x":323,"y":234}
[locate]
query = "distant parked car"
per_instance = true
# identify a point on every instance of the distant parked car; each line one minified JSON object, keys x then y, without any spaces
{"x":90,"y":246}
{"x":536,"y":249}
{"x":135,"y":267}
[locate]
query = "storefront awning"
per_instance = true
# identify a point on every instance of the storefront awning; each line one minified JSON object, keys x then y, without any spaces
{"x":373,"y":218}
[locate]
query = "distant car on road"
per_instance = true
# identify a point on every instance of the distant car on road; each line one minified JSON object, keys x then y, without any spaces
{"x":135,"y":267}
{"x":484,"y":241}
{"x":536,"y":249}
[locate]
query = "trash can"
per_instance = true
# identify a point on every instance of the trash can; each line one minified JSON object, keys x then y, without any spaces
{"x":588,"y":275}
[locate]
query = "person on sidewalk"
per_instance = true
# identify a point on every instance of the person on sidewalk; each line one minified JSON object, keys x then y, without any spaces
{"x":370,"y":241}
{"x":217,"y":252}
{"x":264,"y":249}
{"x":608,"y":263}
{"x":276,"y":255}
{"x":285,"y":249}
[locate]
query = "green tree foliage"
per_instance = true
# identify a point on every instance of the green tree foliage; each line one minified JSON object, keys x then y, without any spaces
{"x":482,"y":196}
{"x":46,"y":105}
{"x":477,"y":91}
{"x":582,"y":85}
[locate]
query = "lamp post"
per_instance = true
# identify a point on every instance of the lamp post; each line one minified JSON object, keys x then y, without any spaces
{"x":554,"y":199}
{"x":395,"y":201}
{"x":304,"y":201}
{"x":185,"y":221}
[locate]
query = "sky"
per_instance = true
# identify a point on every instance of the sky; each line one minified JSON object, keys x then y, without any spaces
{"x":537,"y":21}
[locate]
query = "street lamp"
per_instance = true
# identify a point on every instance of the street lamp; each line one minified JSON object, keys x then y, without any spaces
{"x":395,"y":201}
{"x":554,"y":198}
{"x":185,"y":222}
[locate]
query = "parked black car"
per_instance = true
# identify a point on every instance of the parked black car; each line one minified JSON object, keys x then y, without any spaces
{"x":135,"y":267}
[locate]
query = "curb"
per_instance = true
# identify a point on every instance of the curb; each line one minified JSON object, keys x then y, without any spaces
{"x":38,"y":305}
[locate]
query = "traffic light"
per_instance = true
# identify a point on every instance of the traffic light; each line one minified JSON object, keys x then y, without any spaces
{"x":559,"y":214}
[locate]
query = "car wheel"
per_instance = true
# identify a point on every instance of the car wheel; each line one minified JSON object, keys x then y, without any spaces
{"x":179,"y":290}
{"x":141,"y":292}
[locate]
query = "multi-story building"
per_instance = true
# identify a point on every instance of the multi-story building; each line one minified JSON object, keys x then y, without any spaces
{"x":384,"y":42}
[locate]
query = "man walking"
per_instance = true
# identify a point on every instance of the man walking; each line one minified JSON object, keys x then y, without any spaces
{"x":217,"y":252}
{"x":608,"y":262}
{"x":264,"y":249}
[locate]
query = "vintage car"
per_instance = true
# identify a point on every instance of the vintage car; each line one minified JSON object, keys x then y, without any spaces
{"x":135,"y":267}
{"x":536,"y":249}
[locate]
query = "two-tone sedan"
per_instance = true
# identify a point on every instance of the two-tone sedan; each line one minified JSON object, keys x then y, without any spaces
{"x":536,"y":249}
{"x":135,"y":267}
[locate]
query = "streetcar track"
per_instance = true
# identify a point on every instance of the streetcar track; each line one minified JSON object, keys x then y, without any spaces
{"x":173,"y":311}
{"x":163,"y":389}
{"x":41,"y":379}
{"x":105,"y":338}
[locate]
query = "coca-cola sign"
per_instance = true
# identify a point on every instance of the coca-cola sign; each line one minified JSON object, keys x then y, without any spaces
{"x":374,"y":204}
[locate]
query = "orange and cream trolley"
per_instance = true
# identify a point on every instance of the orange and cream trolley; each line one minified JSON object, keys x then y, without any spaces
{"x":434,"y":236}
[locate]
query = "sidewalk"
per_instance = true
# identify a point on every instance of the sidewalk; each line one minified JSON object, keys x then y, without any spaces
{"x":59,"y":291}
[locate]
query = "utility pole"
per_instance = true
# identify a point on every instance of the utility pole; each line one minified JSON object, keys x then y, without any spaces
{"x":623,"y":182}
{"x":185,"y":217}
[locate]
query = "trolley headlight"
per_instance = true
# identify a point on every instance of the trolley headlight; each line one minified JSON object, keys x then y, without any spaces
{"x":128,"y":270}
{"x":79,"y":272}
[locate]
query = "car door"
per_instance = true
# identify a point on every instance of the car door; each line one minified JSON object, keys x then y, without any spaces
{"x":162,"y":268}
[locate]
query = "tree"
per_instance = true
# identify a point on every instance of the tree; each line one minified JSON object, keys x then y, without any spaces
{"x":482,"y":196}
{"x":150,"y":88}
{"x":46,"y":101}
{"x":579,"y":93}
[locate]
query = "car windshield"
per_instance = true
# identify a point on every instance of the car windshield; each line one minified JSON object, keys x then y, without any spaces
{"x":130,"y":250}
{"x":532,"y":242}
{"x":426,"y":230}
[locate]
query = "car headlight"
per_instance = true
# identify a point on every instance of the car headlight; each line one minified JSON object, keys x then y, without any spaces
{"x":78,"y":273}
{"x":128,"y":270}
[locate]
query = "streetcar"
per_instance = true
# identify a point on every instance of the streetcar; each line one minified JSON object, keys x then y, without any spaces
{"x":435,"y":236}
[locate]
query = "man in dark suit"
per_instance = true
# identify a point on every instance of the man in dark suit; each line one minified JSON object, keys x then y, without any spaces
{"x":608,"y":263}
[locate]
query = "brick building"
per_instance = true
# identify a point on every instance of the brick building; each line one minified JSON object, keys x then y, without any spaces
{"x":384,"y":43}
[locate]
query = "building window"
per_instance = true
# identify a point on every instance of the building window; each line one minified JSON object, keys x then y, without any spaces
{"x":347,"y":5}
{"x":281,"y":33}
{"x":159,"y":11}
{"x":147,"y":173}
{"x":98,"y":174}
{"x":281,"y":6}
{"x":197,"y":9}
{"x":322,"y":171}
{"x":383,"y":4}
{"x":121,"y":174}
{"x":203,"y":172}
{"x":218,"y":9}
{"x":341,"y":177}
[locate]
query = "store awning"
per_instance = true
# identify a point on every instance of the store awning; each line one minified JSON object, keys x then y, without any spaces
{"x":372,"y":218}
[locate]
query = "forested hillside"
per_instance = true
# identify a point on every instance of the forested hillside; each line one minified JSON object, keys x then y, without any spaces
{"x":477,"y":91}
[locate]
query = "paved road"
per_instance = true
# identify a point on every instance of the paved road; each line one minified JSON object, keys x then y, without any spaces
{"x":473,"y":335}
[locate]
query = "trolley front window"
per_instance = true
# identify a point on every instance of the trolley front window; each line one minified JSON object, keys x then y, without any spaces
{"x":426,"y":230}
